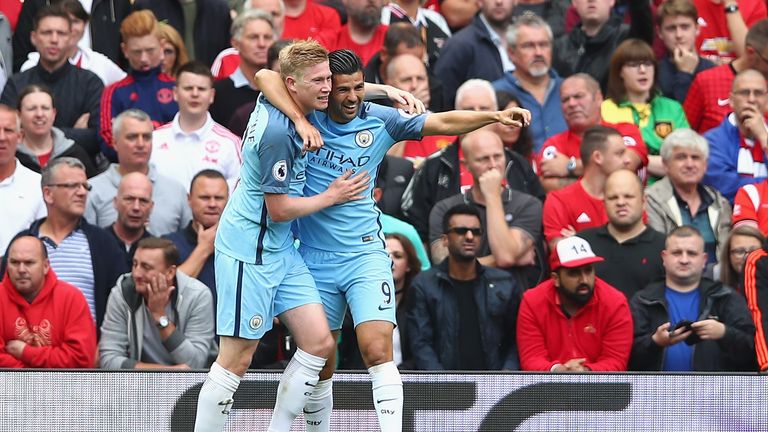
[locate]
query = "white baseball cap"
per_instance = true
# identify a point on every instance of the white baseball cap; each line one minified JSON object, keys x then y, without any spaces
{"x":572,"y":252}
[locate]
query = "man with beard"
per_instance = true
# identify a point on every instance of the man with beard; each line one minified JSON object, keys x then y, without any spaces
{"x":574,"y":322}
{"x":462,"y":314}
{"x":534,"y":82}
{"x":363,"y":33}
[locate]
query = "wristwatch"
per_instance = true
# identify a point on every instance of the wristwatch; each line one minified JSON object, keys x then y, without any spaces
{"x":731,"y":8}
{"x":571,"y":165}
{"x":163,"y":322}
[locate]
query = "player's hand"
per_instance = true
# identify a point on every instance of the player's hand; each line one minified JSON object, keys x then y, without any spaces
{"x":709,"y":329}
{"x":663,"y":337}
{"x":515,"y":116}
{"x":556,"y":166}
{"x":685,"y":60}
{"x":311,"y":137}
{"x":82,"y":121}
{"x":348,"y":188}
{"x":490,"y":183}
{"x":206,"y":237}
{"x":158,"y":295}
{"x":405,"y":100}
{"x":15,"y":348}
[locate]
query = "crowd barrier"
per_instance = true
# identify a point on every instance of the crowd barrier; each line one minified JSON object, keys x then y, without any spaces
{"x":129,"y":401}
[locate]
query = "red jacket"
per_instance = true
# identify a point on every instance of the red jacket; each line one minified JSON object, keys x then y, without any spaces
{"x":601,"y":331}
{"x":57,"y":326}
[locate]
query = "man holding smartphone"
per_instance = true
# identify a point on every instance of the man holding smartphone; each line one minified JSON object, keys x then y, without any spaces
{"x":691,"y":309}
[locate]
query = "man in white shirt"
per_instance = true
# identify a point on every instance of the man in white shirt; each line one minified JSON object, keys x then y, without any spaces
{"x":193,"y":142}
{"x":20,"y":193}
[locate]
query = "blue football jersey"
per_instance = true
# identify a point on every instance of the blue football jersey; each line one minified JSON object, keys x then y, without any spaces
{"x":273,"y":162}
{"x":359,"y":145}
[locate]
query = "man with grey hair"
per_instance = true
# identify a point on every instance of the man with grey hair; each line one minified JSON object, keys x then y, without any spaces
{"x":81,"y":254}
{"x":228,"y":60}
{"x":442,"y":176}
{"x":133,"y":143}
{"x":534,"y":82}
{"x":738,"y":145}
{"x":681,"y":198}
{"x":253,"y":32}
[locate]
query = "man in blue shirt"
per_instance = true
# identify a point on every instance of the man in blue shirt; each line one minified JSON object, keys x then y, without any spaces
{"x":344,"y":247}
{"x":259,"y":274}
{"x":686,"y":309}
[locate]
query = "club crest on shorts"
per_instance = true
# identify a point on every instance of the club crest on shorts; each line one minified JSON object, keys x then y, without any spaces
{"x":364,"y":139}
{"x":280,"y":170}
{"x":256,"y":322}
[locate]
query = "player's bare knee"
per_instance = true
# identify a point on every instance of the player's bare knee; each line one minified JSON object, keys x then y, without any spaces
{"x":320,"y":347}
{"x":376,"y":353}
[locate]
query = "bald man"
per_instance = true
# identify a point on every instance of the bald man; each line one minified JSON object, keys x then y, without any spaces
{"x":133,"y":204}
{"x":44,"y":322}
{"x":632,"y":250}
{"x":511,"y":220}
{"x":408,"y":72}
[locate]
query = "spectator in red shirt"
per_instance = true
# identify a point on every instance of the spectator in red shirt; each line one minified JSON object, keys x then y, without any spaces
{"x":44,"y":321}
{"x":580,"y":205}
{"x":363,"y":33}
{"x":574,"y":322}
{"x":309,"y":19}
{"x":723,"y":26}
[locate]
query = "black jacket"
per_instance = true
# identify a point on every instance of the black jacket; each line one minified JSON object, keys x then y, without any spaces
{"x":75,"y":92}
{"x":576,"y":52}
{"x":734,"y":352}
{"x":438,"y":178}
{"x":106,"y":16}
{"x":107,"y":258}
{"x":756,"y":291}
{"x":433,"y":319}
{"x":212,"y":24}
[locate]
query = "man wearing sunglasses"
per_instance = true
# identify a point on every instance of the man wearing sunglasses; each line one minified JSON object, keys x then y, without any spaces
{"x":81,"y":254}
{"x":463,"y":313}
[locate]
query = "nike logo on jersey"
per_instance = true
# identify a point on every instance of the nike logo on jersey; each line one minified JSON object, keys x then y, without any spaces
{"x":723,"y":102}
{"x":583,"y":218}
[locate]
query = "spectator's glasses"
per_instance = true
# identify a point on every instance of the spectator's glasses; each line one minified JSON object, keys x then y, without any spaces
{"x":462,"y":231}
{"x":745,"y":93}
{"x":742,"y":252}
{"x":72,"y":186}
{"x":637,"y":63}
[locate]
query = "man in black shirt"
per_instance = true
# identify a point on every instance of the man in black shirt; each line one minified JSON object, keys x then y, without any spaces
{"x":462,"y":313}
{"x":631,"y":249}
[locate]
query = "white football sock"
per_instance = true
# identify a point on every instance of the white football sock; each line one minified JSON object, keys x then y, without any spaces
{"x":387,"y":396}
{"x":317,"y":412}
{"x":215,"y":399}
{"x":296,"y":385}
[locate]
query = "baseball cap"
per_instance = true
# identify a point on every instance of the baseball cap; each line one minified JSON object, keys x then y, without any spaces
{"x":572,"y":252}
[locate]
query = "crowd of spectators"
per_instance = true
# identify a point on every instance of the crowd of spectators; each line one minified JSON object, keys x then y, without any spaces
{"x":619,"y":230}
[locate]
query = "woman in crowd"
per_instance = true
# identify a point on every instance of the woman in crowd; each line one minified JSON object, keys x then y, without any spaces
{"x":40,"y":141}
{"x":633,"y":97}
{"x":515,"y":139}
{"x":741,"y":241}
{"x":174,"y":50}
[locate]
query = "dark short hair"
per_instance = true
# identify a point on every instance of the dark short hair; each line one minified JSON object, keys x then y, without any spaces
{"x":196,"y":68}
{"x":524,"y":144}
{"x":404,"y":33}
{"x":683,"y":231}
{"x":47,"y":12}
{"x":170,"y":253}
{"x":75,"y":8}
{"x":344,"y":62}
{"x":595,"y":139}
{"x":757,"y":35}
{"x":207,"y":173}
{"x":273,"y":53}
{"x":459,"y":209}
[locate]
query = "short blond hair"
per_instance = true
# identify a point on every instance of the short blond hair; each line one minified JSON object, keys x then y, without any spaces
{"x":300,"y":55}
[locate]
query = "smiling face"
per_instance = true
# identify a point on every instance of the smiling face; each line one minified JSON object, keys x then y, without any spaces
{"x":37,"y":114}
{"x":346,"y":97}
